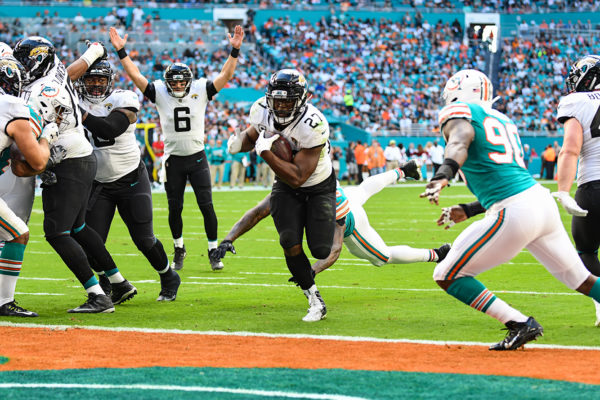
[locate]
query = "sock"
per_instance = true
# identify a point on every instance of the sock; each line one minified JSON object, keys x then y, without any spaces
{"x":212,"y":244}
{"x":11,"y":258}
{"x":178,"y":242}
{"x":165,"y":269}
{"x":590,"y":260}
{"x":595,"y":291}
{"x":94,"y":246}
{"x":399,"y":172}
{"x":300,"y":268}
{"x":406,"y":254}
{"x":157,"y":256}
{"x":474,"y":294}
{"x":114,"y":276}
{"x":210,"y":220}
{"x":92,"y":286}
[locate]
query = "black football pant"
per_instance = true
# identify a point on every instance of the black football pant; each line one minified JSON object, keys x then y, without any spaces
{"x":132,"y":196}
{"x":585,"y":230}
{"x":310,"y":210}
{"x":64,"y":206}
{"x":194,"y":168}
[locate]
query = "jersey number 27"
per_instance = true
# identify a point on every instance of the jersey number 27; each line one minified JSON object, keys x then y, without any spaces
{"x":507,"y":136}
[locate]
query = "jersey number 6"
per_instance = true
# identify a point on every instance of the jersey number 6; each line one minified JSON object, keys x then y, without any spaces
{"x":182,"y":119}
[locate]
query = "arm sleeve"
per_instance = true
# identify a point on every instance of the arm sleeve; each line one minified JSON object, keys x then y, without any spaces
{"x":150,"y":92}
{"x":108,"y":127}
{"x":211,"y":90}
{"x":472,"y":209}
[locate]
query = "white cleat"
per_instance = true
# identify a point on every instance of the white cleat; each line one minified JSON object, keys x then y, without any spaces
{"x":317,"y":309}
{"x":597,"y":313}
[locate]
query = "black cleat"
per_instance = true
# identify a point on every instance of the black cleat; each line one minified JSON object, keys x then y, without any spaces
{"x":13,"y":310}
{"x":442,"y":251}
{"x":411,"y":170}
{"x":122,"y":291}
{"x":518,"y":334}
{"x":180,"y":254}
{"x":215,"y":261}
{"x":105,"y":284}
{"x":96,"y":303}
{"x":169,"y":283}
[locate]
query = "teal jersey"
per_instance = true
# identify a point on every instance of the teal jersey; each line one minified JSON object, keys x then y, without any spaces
{"x":342,"y":210}
{"x":494,"y":169}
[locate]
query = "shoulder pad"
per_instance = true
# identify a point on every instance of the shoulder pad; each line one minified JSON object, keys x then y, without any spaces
{"x":452,"y":111}
{"x":257,"y":111}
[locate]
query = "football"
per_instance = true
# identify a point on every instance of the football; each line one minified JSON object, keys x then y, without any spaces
{"x":282,"y":149}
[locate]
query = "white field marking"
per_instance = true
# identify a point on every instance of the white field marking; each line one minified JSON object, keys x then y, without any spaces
{"x":215,"y":278}
{"x":204,"y":389}
{"x":40,"y":294}
{"x":279,"y":335}
{"x":264,"y":273}
{"x":42,"y":279}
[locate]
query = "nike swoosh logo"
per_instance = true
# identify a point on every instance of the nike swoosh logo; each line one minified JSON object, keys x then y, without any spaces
{"x":200,"y":160}
{"x":135,"y":183}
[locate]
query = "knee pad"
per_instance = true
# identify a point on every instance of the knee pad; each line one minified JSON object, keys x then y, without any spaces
{"x":320,"y":251}
{"x":145,"y":244}
{"x":141,"y":211}
{"x":288,"y":239}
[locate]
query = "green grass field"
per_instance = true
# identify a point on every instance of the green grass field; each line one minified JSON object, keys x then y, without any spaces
{"x":252,"y":292}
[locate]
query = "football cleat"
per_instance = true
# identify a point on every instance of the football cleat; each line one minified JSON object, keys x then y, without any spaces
{"x":597,"y":305}
{"x":178,"y":258}
{"x":122,"y":291}
{"x":442,"y":251}
{"x":169,"y":284}
{"x":105,"y":284}
{"x":518,"y":334}
{"x":317,"y":309}
{"x":96,"y":303}
{"x":411,"y":170}
{"x":13,"y":310}
{"x":215,"y":262}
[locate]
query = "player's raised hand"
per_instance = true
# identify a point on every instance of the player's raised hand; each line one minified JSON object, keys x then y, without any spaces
{"x":238,"y":37}
{"x":235,"y":141}
{"x":117,"y":41}
{"x":433,"y":189}
{"x":451,"y":215}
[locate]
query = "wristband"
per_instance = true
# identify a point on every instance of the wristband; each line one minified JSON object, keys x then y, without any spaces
{"x":234,"y":52}
{"x":472,"y":209}
{"x":447,"y":171}
{"x":122,"y":53}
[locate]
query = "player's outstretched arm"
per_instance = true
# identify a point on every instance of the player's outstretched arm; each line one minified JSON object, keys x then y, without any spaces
{"x":94,"y":51}
{"x":460,"y":134}
{"x":567,"y":167}
{"x":250,"y":219}
{"x":229,"y":67}
{"x":336,"y":249}
{"x":131,"y":69}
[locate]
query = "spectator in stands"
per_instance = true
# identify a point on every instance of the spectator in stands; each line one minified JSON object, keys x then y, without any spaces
{"x":392,"y":156}
{"x":349,"y":101}
{"x":361,"y":157}
{"x":137,"y":16}
{"x":436,"y":152}
{"x":375,"y":158}
{"x":526,"y":155}
{"x":351,"y":167}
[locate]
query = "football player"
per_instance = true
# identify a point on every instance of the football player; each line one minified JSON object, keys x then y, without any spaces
{"x":20,"y":125}
{"x":181,"y":102}
{"x":65,"y":198}
{"x":121,"y":182}
{"x":303,"y":194}
{"x":579,"y":111}
{"x":352,"y":228}
{"x":519,"y":212}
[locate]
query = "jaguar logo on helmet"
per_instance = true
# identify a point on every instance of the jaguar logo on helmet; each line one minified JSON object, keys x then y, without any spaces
{"x":584,"y":75}
{"x":39,"y":51}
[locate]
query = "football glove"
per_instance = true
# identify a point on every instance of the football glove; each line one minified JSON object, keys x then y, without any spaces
{"x":264,"y":144}
{"x":57,"y":154}
{"x":224,"y":247}
{"x":569,"y":204}
{"x":95,"y":51}
{"x":48,"y":178}
{"x":50,"y":133}
{"x":234,"y":143}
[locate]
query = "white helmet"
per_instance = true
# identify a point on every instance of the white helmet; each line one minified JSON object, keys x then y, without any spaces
{"x":468,"y":86}
{"x":54,"y":105}
{"x":5,"y":50}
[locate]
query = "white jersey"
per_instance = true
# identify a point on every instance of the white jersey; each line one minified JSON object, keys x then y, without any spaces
{"x":182,"y":119}
{"x":11,"y":108}
{"x":71,"y":135}
{"x":308,"y":130}
{"x":119,"y":156}
{"x":585,"y":108}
